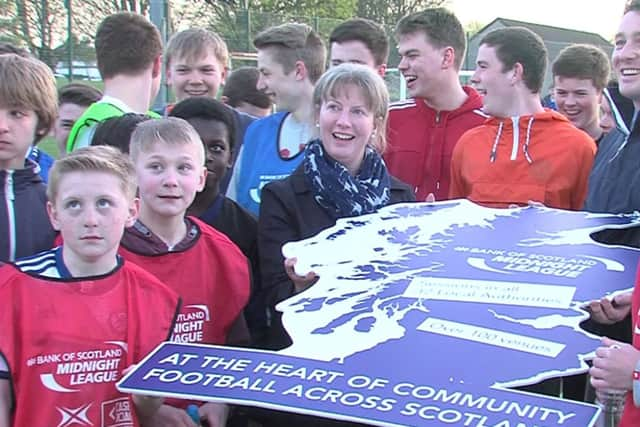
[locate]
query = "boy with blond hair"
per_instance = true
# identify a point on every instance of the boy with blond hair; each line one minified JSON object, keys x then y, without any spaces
{"x":80,"y":302}
{"x":128,"y":52}
{"x":196,"y":65}
{"x":73,"y":100}
{"x":28,"y":108}
{"x":209,"y":272}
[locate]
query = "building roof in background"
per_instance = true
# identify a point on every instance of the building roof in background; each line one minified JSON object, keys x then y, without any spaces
{"x":556,"y":34}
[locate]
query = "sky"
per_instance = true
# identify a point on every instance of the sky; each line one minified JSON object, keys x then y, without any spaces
{"x":596,"y":16}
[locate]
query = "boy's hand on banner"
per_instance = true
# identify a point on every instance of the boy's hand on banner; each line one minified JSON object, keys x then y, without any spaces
{"x":608,"y":311}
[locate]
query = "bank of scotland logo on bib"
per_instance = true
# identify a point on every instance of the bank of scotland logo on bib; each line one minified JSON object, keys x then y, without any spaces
{"x":423,"y":314}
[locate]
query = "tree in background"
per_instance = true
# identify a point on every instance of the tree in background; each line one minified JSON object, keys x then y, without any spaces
{"x":34,"y":24}
{"x":238,"y":21}
{"x":473,"y":27}
{"x":389,"y":12}
{"x":41,"y":25}
{"x":8,"y":24}
{"x":87,"y":14}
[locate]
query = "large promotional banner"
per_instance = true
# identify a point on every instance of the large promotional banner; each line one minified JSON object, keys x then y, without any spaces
{"x":424,"y":314}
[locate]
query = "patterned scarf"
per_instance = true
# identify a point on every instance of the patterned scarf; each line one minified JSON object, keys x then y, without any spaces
{"x":341,"y":194}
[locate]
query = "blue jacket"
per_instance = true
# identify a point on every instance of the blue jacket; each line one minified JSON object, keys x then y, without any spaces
{"x":43,"y":160}
{"x":615,"y":177}
{"x":24,"y":223}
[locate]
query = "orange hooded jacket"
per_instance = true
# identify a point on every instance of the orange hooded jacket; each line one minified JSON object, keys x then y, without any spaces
{"x":507,"y":161}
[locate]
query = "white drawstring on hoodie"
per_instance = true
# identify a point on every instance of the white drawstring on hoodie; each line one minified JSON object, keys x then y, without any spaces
{"x":516,"y":140}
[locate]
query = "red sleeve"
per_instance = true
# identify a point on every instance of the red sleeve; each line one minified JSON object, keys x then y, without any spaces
{"x":6,"y":321}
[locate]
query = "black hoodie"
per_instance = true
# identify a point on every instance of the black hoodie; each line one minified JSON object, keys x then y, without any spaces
{"x":24,"y":225}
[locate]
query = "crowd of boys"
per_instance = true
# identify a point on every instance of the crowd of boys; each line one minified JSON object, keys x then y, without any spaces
{"x":147,"y":220}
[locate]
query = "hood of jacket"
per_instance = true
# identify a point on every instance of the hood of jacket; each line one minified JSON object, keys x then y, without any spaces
{"x":429,"y":114}
{"x":473,"y":102}
{"x":513,"y":134}
{"x":621,"y":108}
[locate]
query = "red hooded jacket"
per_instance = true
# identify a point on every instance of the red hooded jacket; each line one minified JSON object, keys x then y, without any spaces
{"x":421,"y":142}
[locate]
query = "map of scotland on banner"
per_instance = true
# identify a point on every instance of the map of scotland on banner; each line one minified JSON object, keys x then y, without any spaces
{"x":424,"y":314}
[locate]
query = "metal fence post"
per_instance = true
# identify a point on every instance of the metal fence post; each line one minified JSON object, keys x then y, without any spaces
{"x":67,"y":4}
{"x":158,"y":14}
{"x":248,"y":27}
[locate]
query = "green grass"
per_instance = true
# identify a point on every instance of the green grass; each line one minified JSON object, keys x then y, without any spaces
{"x":61,"y":81}
{"x":49,"y":146}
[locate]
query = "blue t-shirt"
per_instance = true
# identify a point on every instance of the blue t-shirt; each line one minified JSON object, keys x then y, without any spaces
{"x":261,"y":162}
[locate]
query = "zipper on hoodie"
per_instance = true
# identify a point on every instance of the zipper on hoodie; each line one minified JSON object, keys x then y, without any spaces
{"x":437,"y":117}
{"x":11,"y":214}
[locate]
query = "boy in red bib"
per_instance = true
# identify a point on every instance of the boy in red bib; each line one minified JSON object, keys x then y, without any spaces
{"x":207,"y":270}
{"x":79,"y":314}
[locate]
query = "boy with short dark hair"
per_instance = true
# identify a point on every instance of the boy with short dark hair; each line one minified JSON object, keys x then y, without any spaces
{"x":524,"y":152}
{"x":291,"y":58}
{"x":28,"y":106}
{"x":359,"y":41}
{"x":128,"y":51}
{"x":613,"y":188}
{"x":424,"y":129}
{"x":213,"y":122}
{"x":580,"y":74}
{"x":615,"y":177}
{"x":203,"y":266}
{"x":79,"y":315}
{"x":73,"y":101}
{"x":241,"y":93}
